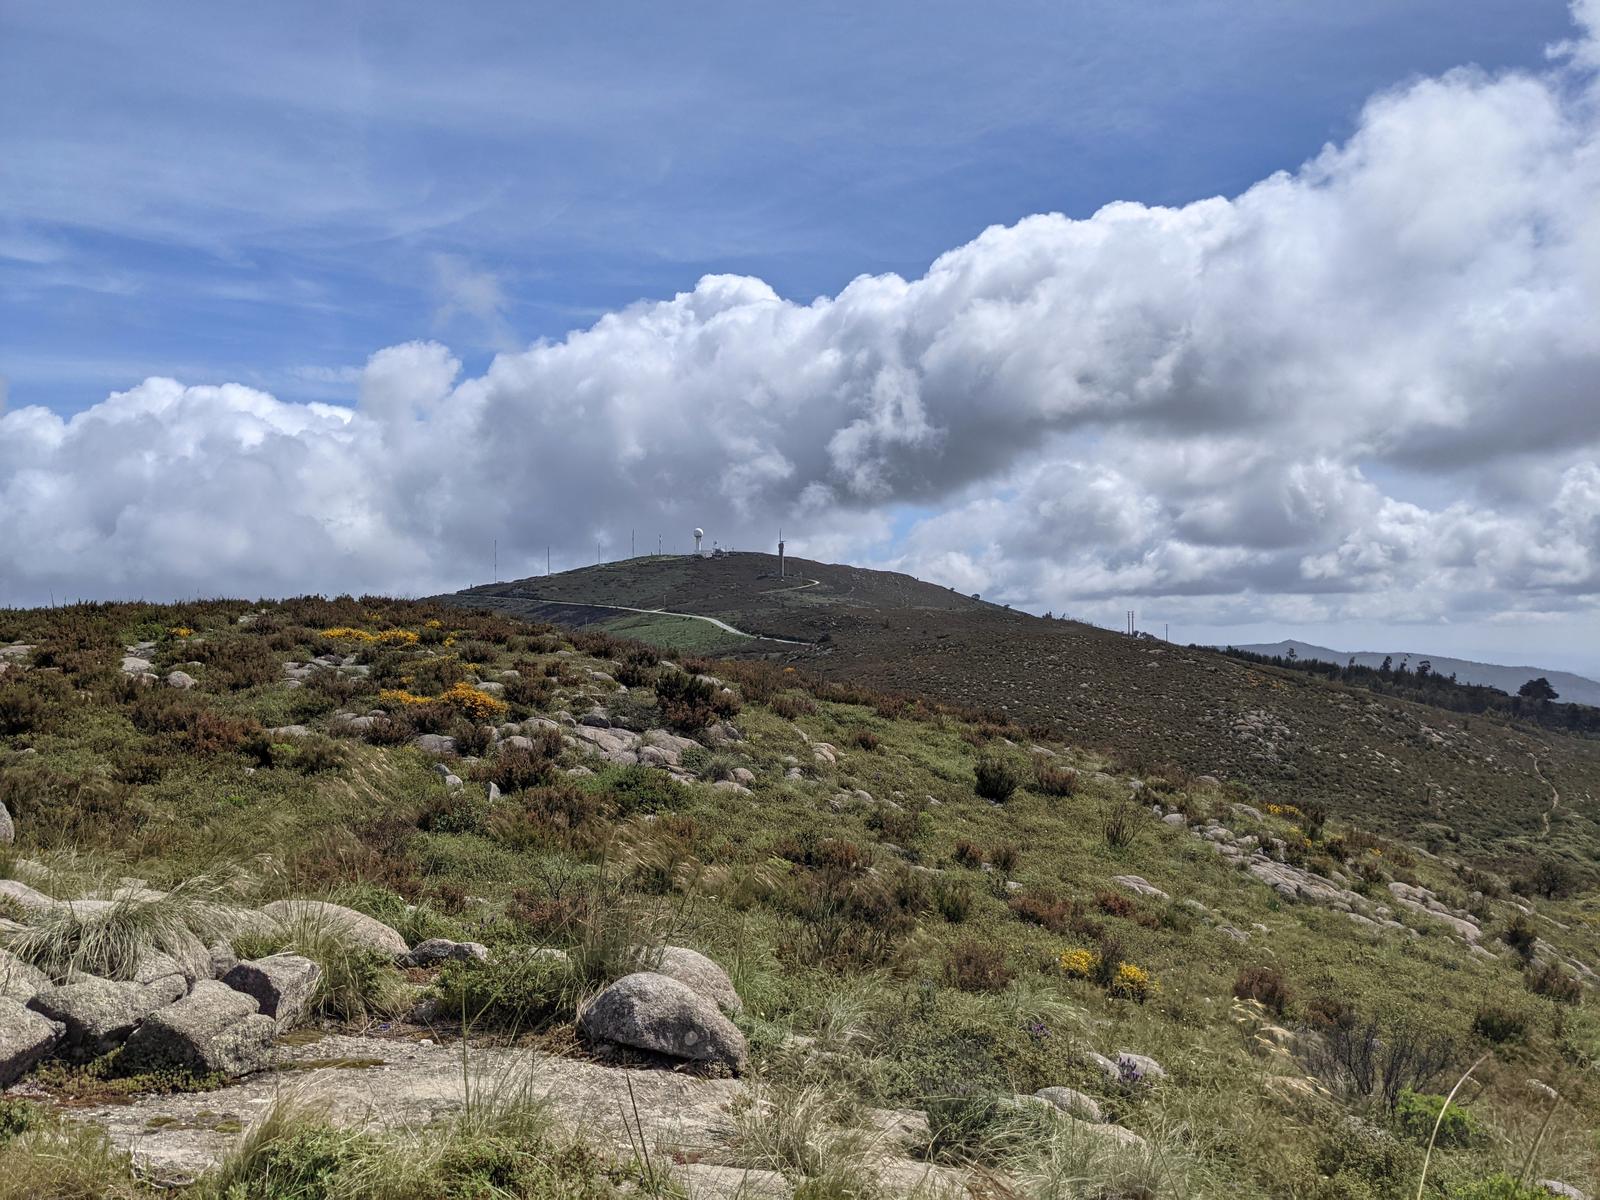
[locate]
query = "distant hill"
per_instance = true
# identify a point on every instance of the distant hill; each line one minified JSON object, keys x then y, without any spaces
{"x":1391,"y":761}
{"x":1571,"y":687}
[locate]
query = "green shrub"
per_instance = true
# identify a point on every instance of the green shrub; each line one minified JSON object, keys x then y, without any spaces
{"x":455,"y":810}
{"x":19,"y":1116}
{"x":23,"y":709}
{"x":1361,"y":1149}
{"x":637,"y":789}
{"x":1498,"y":1186}
{"x":954,"y":900}
{"x":687,"y":702}
{"x":525,"y":992}
{"x":1120,"y":825}
{"x":1520,"y":935}
{"x":1416,"y":1112}
{"x":1500,"y":1025}
{"x":996,"y":776}
{"x":962,"y":1119}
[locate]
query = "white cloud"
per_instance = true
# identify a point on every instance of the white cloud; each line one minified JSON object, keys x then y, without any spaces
{"x":1367,"y":385}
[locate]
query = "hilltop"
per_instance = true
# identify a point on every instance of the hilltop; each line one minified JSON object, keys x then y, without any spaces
{"x":538,"y":912}
{"x":1495,"y":790}
{"x":1575,"y":688}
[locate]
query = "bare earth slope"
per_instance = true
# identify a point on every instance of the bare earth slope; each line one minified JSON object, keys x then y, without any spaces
{"x":1478,"y":784}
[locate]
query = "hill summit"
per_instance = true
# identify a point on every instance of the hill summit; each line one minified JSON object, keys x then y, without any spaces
{"x":1481,"y":784}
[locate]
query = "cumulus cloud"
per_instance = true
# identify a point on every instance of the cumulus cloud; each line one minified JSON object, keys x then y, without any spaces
{"x":1372,"y":381}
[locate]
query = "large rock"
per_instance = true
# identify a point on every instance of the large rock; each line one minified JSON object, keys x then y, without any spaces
{"x":434,"y":951}
{"x":8,"y":830}
{"x":704,"y":977}
{"x":1139,"y":886}
{"x":30,"y":900}
{"x":20,"y":980}
{"x":1072,"y":1102}
{"x":347,"y":924}
{"x":98,"y":1014}
{"x":25,"y":1038}
{"x":648,"y":1011}
{"x":434,"y":743}
{"x":212,"y":1030}
{"x":284,"y":985}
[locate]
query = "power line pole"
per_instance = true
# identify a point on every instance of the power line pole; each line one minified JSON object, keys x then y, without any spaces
{"x":497,"y":560}
{"x":630,"y":544}
{"x":547,"y":560}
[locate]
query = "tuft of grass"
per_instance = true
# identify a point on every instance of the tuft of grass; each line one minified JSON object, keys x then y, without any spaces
{"x":110,"y":941}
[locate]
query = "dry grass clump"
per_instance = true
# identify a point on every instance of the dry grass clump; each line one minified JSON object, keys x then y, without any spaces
{"x":1053,"y":778}
{"x":110,"y":938}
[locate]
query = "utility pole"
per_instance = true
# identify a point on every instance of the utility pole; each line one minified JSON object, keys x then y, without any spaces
{"x":547,"y":560}
{"x":630,"y":543}
{"x":497,"y":560}
{"x":1166,"y":631}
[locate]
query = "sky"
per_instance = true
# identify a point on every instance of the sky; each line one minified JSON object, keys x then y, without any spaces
{"x":1260,"y":320}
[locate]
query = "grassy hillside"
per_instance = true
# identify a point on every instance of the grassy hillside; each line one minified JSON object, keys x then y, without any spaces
{"x":922,"y":909}
{"x":1496,"y":791}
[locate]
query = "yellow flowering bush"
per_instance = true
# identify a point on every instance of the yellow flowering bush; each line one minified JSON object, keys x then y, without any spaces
{"x":434,"y":623}
{"x":1079,"y":964}
{"x":181,"y":631}
{"x":480,"y":706}
{"x":1282,"y":810}
{"x":389,"y":637}
{"x":1133,"y":983}
{"x":402,"y":697}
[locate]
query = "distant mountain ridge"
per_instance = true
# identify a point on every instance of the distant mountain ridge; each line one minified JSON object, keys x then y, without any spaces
{"x":1508,"y":679}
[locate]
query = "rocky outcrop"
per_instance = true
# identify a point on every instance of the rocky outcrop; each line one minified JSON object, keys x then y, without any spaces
{"x":283,"y":985}
{"x":699,"y":973}
{"x":20,"y":980}
{"x":25,"y":1038}
{"x":647,"y":1011}
{"x":435,"y":951}
{"x":1072,"y":1102}
{"x":1139,"y":886}
{"x":97,"y":1015}
{"x":212,"y":1030}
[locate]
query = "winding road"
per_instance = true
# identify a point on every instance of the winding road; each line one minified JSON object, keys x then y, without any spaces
{"x":662,"y":612}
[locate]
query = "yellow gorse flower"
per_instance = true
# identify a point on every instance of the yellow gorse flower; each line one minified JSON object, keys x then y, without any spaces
{"x":389,"y":637}
{"x":1079,"y":964}
{"x":1133,"y":983}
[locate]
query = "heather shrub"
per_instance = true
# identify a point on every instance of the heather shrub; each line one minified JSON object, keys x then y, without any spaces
{"x":1053,"y":778}
{"x":977,"y":966}
{"x":996,"y":777}
{"x":1265,"y":985}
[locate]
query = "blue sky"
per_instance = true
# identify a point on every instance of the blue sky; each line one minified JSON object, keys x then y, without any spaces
{"x":1262,"y":319}
{"x":267,"y":194}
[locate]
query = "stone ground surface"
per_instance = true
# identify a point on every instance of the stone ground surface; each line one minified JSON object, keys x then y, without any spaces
{"x":396,"y":1085}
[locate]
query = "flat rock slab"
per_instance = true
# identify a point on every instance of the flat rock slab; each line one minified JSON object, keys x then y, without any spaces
{"x":397,"y":1084}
